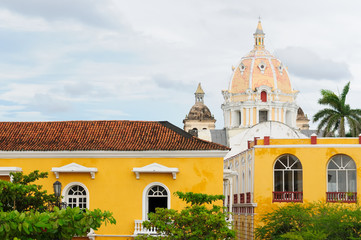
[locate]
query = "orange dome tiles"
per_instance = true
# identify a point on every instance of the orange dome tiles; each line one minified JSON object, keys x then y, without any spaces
{"x":283,"y":81}
{"x":240,"y":80}
{"x":98,"y":135}
{"x":259,"y":78}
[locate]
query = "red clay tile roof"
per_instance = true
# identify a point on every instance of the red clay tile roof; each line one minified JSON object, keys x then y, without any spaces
{"x":98,"y":135}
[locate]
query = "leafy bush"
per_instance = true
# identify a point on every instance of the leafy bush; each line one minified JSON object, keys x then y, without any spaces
{"x":196,"y":221}
{"x":59,"y":224}
{"x":28,"y":212}
{"x":312,"y":221}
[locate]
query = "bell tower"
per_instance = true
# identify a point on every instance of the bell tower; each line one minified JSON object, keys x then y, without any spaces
{"x":199,"y":118}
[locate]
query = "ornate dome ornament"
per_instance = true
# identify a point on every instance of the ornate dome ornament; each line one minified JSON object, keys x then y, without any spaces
{"x":242,"y":67}
{"x":262,"y":67}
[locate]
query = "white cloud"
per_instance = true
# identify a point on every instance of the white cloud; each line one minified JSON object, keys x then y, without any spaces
{"x":80,"y":59}
{"x":305,"y":63}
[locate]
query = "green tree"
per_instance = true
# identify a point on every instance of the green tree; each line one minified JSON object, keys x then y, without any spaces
{"x":312,"y":221}
{"x":28,"y":212}
{"x":334,"y":118}
{"x":22,"y":194}
{"x":197,"y":221}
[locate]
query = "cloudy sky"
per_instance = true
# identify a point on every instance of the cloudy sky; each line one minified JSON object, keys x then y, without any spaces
{"x":142,"y":60}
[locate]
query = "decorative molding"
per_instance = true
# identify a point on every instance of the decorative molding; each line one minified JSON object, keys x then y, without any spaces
{"x":5,"y":171}
{"x":114,"y":154}
{"x":262,"y":66}
{"x":311,"y":146}
{"x":155,"y":168}
{"x":74,"y":167}
{"x":242,"y":67}
{"x":228,"y":173}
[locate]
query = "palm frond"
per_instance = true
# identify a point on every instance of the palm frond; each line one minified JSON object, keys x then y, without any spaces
{"x":330,"y":99}
{"x":323,"y":113}
{"x":345,"y":90}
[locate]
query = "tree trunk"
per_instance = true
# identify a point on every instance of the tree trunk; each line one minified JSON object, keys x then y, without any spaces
{"x":342,"y":127}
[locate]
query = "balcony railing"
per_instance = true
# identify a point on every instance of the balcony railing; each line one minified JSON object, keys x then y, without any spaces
{"x":235,"y":198}
{"x":139,"y":229}
{"x":347,"y":197}
{"x":287,"y":196}
{"x":241,"y":198}
{"x":248,"y":197}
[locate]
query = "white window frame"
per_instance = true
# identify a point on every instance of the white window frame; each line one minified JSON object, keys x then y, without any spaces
{"x":283,"y":175}
{"x":5,"y":171}
{"x":145,"y":198}
{"x":69,"y":186}
{"x":337,"y":173}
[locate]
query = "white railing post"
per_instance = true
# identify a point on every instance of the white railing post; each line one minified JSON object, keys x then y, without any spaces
{"x":139,"y":229}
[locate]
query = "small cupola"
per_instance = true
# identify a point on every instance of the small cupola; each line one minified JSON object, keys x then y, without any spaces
{"x":199,"y":94}
{"x":259,"y":36}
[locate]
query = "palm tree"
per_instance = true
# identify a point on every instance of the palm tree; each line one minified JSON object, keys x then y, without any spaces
{"x":335,"y":117}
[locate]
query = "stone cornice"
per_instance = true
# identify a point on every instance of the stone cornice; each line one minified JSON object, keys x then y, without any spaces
{"x":113,"y":154}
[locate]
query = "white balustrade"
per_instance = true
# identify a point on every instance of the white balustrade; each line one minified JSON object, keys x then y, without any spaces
{"x":139,"y":229}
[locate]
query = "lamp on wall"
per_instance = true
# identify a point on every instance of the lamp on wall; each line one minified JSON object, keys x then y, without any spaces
{"x":57,"y":191}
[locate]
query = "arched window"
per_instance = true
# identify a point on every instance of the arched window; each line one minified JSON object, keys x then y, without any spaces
{"x":288,"y":185}
{"x":341,"y":179}
{"x":156,"y":196}
{"x":76,"y":196}
{"x":264,"y":96}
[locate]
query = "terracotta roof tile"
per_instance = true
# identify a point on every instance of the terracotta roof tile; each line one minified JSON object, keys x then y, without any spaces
{"x":98,"y":135}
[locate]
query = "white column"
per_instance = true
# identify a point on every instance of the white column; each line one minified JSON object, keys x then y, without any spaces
{"x":247,"y":117}
{"x":233,"y":120}
{"x":276,"y":114}
{"x":284,"y":115}
{"x":231,"y":199}
{"x":279,"y":114}
{"x":293,"y":118}
{"x":226,"y":118}
{"x":257,"y":115}
{"x":251,"y":116}
{"x":241,"y":120}
{"x":225,"y":192}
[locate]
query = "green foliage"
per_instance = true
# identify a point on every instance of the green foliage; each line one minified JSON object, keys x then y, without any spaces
{"x":23,"y":195}
{"x":196,"y":221}
{"x":27,"y":212}
{"x":59,"y":224}
{"x":335,"y":118}
{"x":312,"y":221}
{"x":198,"y":198}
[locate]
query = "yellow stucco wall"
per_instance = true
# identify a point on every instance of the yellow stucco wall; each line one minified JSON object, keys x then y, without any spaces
{"x":314,"y":160}
{"x":115,"y":187}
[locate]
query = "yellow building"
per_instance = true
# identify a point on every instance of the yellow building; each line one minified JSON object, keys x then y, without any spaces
{"x":126,"y":167}
{"x":274,"y":172}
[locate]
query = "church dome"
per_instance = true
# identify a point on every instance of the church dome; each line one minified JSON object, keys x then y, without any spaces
{"x":199,"y":111}
{"x":199,"y":117}
{"x":259,"y":90}
{"x":260,"y":68}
